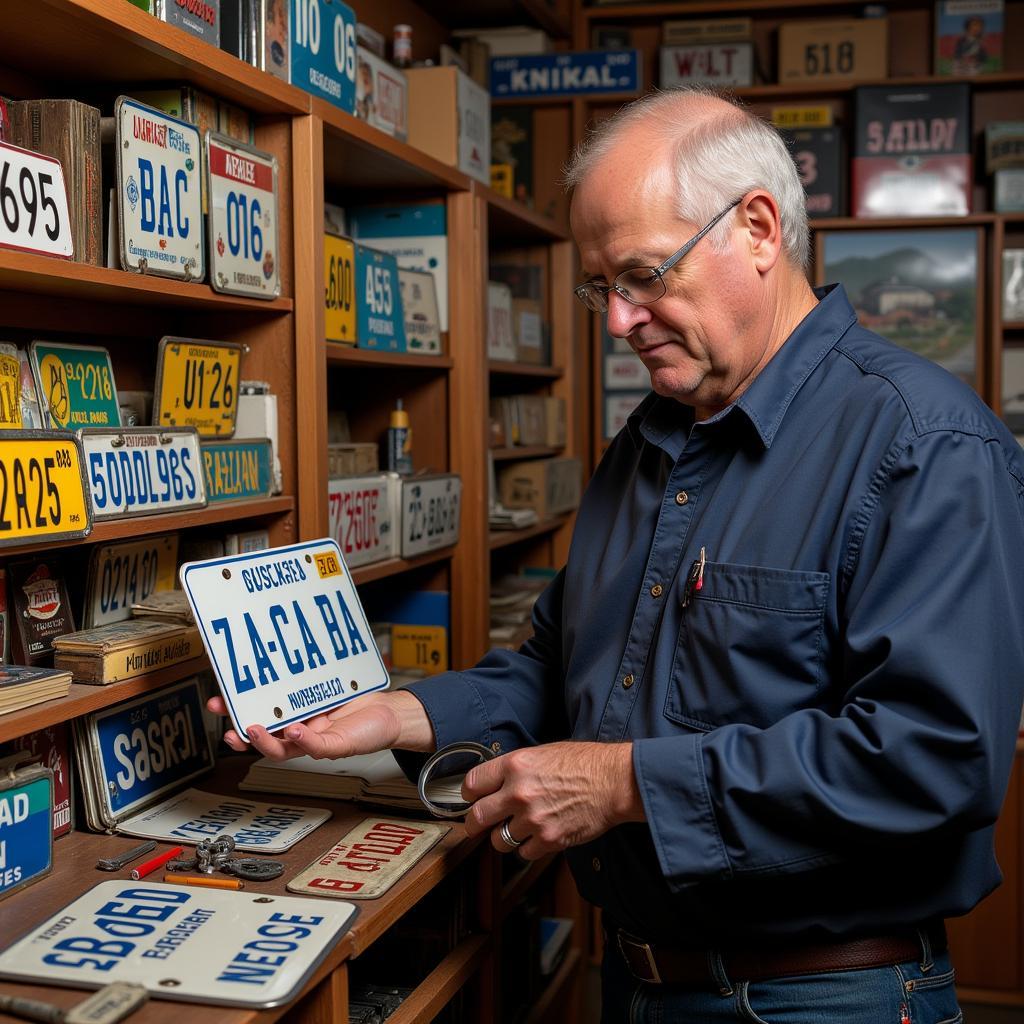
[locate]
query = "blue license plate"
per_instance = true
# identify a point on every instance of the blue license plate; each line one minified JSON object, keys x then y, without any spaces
{"x":323,"y":50}
{"x":380,"y":321}
{"x":26,"y":831}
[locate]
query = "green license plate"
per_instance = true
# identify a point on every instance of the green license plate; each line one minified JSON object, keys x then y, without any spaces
{"x":76,"y":386}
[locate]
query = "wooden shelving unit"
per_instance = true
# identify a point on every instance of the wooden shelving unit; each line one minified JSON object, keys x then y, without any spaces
{"x":526,"y":451}
{"x":506,"y":538}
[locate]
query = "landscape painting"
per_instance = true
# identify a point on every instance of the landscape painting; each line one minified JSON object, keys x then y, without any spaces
{"x":919,"y":288}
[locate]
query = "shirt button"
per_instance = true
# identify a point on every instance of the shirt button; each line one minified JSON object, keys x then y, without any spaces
{"x":596,"y":864}
{"x":496,"y":747}
{"x":628,"y":681}
{"x":682,"y":498}
{"x":656,"y":590}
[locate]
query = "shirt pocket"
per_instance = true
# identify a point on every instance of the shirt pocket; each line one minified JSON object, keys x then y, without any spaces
{"x":750,"y":646}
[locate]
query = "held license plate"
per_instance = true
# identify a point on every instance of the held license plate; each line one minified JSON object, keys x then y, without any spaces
{"x":197,"y":385}
{"x":76,"y":385}
{"x":158,"y":185}
{"x":236,"y":470}
{"x":182,"y":943}
{"x":123,"y":574}
{"x":141,"y":471}
{"x":242,"y":186}
{"x":42,"y":487}
{"x":34,"y":213}
{"x":285,"y":632}
{"x":339,"y":289}
{"x":138,"y":750}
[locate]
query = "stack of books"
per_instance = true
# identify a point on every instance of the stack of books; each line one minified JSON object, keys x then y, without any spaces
{"x":21,"y":686}
{"x":165,"y":606}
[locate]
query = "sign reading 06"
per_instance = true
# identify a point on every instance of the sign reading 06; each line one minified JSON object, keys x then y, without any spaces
{"x":339,"y":289}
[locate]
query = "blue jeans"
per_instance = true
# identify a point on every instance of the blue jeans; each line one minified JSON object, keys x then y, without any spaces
{"x":896,"y":994}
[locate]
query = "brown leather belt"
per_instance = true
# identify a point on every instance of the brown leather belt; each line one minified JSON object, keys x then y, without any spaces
{"x":694,"y":968}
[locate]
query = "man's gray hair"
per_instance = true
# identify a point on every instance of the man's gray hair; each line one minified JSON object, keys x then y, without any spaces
{"x":717,"y":159}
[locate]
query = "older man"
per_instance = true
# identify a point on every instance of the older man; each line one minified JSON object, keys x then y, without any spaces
{"x":770,"y":703}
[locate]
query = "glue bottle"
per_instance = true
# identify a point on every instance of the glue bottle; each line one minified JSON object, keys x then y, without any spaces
{"x":400,"y":441}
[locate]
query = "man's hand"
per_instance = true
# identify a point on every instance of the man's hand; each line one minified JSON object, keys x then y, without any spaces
{"x":378,"y":721}
{"x":553,"y":796}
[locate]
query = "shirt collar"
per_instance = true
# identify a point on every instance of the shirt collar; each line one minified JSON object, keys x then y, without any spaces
{"x":768,"y":398}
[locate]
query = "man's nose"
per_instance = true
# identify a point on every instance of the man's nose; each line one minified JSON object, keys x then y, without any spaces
{"x":624,"y":316}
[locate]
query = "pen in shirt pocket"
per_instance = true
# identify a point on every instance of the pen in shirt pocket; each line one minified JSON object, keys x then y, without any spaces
{"x":694,"y":579}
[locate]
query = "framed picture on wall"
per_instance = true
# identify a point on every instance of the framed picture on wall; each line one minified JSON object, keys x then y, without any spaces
{"x":918,"y":287}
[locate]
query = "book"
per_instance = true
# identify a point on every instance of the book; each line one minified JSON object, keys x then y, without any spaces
{"x":968,"y":37}
{"x":123,"y":650}
{"x":912,"y":151}
{"x":40,"y":609}
{"x":21,"y":686}
{"x":165,"y":606}
{"x":819,"y":157}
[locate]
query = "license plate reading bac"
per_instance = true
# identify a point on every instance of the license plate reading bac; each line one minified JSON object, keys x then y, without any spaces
{"x":285,"y":631}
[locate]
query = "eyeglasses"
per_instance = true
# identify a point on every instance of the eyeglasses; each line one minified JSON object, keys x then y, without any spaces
{"x":641,"y":285}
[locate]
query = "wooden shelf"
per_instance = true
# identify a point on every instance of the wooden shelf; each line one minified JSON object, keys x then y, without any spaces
{"x":110,"y":42}
{"x":512,"y":223}
{"x":82,"y":699}
{"x":840,"y":87}
{"x":339,"y":354}
{"x":472,"y":14}
{"x":500,"y":367}
{"x":119,"y":529}
{"x":361,"y":157}
{"x":394,"y":566}
{"x":24,"y":272}
{"x":866,"y":223}
{"x":661,"y":11}
{"x":1013,"y":325}
{"x":505,"y":538}
{"x":555,"y":988}
{"x":536,"y":451}
{"x":437,"y":989}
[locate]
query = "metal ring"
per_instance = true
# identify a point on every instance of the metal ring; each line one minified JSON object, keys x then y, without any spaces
{"x":506,"y":836}
{"x":467,"y":747}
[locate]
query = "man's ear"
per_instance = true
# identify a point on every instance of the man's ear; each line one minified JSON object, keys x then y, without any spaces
{"x":759,"y":214}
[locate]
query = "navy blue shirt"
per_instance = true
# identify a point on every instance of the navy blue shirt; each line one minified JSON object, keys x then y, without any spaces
{"x":822,"y":734}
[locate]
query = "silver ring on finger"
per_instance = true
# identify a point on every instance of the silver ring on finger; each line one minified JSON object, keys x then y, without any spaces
{"x":507,"y":837}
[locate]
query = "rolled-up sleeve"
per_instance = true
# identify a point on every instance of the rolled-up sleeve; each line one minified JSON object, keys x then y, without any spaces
{"x":927,"y":678}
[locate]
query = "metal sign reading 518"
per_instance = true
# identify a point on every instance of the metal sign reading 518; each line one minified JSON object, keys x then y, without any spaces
{"x":323,"y":50}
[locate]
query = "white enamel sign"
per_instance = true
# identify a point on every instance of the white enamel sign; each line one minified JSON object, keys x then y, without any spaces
{"x":182,"y":943}
{"x":158,"y":176}
{"x":430,"y":513}
{"x":244,"y":255}
{"x":34,"y":213}
{"x":285,"y":631}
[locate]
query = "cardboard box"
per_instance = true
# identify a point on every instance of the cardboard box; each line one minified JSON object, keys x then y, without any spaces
{"x":381,"y":94}
{"x":852,"y":49}
{"x":548,"y":486}
{"x":450,"y":119}
{"x":363,"y":517}
{"x":706,"y":30}
{"x":352,"y":459}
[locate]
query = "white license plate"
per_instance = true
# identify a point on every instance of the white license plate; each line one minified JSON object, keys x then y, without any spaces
{"x":158,"y":186}
{"x":124,"y":574}
{"x":430,"y":513}
{"x":362,"y":517}
{"x":285,"y":631}
{"x":182,"y":943}
{"x":33,"y":203}
{"x":142,"y":471}
{"x":244,"y":254}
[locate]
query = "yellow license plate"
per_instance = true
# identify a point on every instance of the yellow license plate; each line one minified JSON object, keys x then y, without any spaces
{"x":339,"y":290}
{"x":42,"y":488}
{"x":424,"y":647}
{"x":10,"y":392}
{"x":197,"y":385}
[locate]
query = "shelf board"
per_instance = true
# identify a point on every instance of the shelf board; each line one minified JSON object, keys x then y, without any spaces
{"x":25,"y":272}
{"x":554,"y":989}
{"x":501,"y":367}
{"x":472,"y":14}
{"x":119,"y":529}
{"x":867,"y":223}
{"x":435,"y":991}
{"x":841,"y":86}
{"x":339,"y":354}
{"x":359,"y":156}
{"x":634,"y":12}
{"x":82,"y":699}
{"x":110,"y":41}
{"x":513,"y":891}
{"x":505,"y":538}
{"x":509,"y":221}
{"x":535,"y":451}
{"x":394,"y":566}
{"x":1013,"y":325}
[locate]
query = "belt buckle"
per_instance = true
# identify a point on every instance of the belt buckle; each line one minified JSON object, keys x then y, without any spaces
{"x":639,"y":957}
